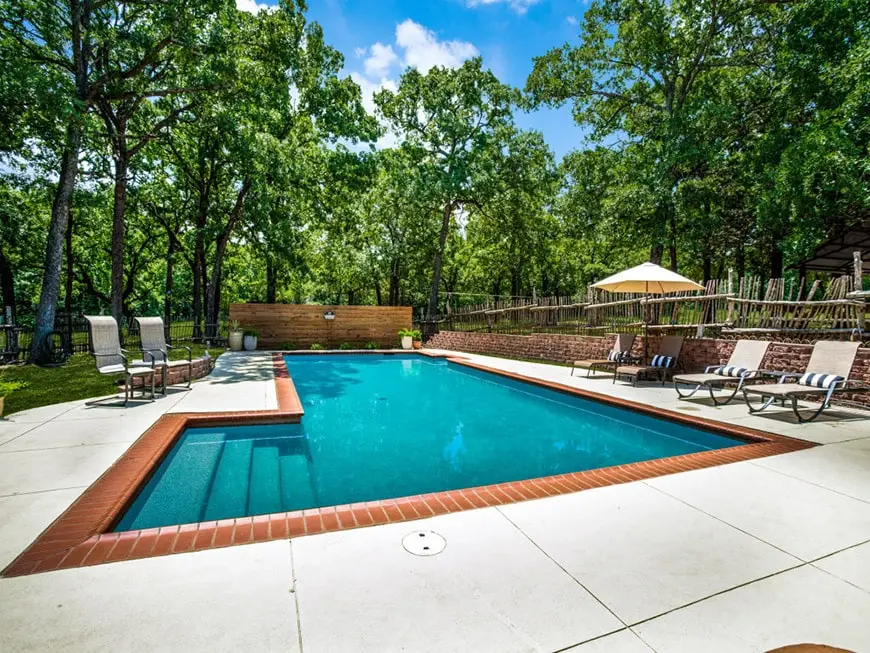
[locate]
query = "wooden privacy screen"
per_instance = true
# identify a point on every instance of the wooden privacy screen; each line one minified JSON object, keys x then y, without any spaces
{"x":300,"y":325}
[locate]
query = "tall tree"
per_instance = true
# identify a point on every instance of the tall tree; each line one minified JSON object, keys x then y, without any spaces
{"x":448,"y":119}
{"x":640,"y":69}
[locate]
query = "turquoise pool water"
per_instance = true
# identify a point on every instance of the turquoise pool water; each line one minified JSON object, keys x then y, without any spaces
{"x":386,"y":426}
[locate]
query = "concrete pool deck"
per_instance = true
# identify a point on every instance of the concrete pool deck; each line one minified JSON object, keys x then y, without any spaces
{"x":746,"y":556}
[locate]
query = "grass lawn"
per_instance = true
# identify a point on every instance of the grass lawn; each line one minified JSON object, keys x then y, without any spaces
{"x":77,"y":379}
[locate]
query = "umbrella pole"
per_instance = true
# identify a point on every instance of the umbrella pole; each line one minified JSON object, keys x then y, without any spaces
{"x":645,"y":322}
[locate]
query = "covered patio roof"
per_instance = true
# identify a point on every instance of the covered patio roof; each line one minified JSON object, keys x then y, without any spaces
{"x":836,"y":254}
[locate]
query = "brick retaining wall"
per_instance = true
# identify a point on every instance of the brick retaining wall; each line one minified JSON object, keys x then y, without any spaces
{"x":696,"y":355}
{"x":178,"y":375}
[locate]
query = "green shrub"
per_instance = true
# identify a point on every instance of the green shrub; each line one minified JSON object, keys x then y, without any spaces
{"x":317,"y":347}
{"x":372,"y":345}
{"x":288,"y":346}
{"x":252,"y":332}
{"x":346,"y":345}
{"x":8,"y":387}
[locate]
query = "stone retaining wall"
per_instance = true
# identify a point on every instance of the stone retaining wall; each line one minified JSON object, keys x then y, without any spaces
{"x":696,"y":355}
{"x":178,"y":375}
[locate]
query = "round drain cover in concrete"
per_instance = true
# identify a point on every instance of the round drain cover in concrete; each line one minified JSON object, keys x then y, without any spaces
{"x":424,"y":543}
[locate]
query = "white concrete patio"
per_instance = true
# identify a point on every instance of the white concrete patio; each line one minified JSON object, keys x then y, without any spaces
{"x":742,"y":557}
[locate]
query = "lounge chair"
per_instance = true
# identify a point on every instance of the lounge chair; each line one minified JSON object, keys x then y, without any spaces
{"x":155,"y":349}
{"x":826,"y":374}
{"x":743,"y":365}
{"x":659,"y":365}
{"x":111,"y":359}
{"x":621,"y":353}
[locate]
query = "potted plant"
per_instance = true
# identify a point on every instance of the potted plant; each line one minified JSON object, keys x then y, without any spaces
{"x":6,"y":387}
{"x":407,"y":337}
{"x":236,"y":336}
{"x":416,"y":339}
{"x":251,"y":339}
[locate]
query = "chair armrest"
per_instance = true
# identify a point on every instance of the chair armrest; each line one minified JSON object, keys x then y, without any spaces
{"x":151,"y":353}
{"x":713,"y":368}
{"x":189,"y":354}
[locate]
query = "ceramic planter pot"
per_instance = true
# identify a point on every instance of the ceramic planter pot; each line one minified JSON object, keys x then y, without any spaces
{"x":417,"y":344}
{"x":250,"y":343}
{"x":236,"y":340}
{"x":406,"y":342}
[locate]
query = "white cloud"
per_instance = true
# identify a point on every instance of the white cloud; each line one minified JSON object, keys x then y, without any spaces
{"x":572,"y":20}
{"x":519,"y":6}
{"x":368,"y":89}
{"x":253,"y":7}
{"x":415,"y":47}
{"x":381,"y":60}
{"x":423,"y":50}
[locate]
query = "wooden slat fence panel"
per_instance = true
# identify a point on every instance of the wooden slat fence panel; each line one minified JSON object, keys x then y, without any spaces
{"x":301,"y":325}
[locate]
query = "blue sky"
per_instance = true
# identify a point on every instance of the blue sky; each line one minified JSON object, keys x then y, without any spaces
{"x":380,"y":37}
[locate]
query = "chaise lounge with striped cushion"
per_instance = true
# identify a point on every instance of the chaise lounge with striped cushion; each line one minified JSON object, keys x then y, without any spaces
{"x":743,"y":365}
{"x":659,"y":366}
{"x":826,"y":374}
{"x":621,"y":353}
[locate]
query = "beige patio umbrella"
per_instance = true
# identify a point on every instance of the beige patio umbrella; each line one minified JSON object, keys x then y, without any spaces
{"x":650,"y":279}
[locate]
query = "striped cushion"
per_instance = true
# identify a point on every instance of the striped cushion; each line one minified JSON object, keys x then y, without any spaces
{"x":819,"y":380}
{"x":616,"y":356}
{"x":662,"y":361}
{"x":732,"y":370}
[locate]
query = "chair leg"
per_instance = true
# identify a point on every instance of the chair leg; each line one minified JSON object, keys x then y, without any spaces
{"x":765,"y":404}
{"x":686,"y":396}
{"x":804,"y":420}
{"x":716,"y":402}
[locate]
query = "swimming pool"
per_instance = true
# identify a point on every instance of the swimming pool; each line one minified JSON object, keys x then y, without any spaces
{"x":387,"y":426}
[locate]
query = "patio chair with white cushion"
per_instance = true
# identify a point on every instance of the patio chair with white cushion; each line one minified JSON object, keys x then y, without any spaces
{"x":155,"y":349}
{"x":826,"y":374}
{"x":742,"y":366}
{"x":112,"y":359}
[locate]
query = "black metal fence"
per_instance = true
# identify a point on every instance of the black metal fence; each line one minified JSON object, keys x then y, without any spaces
{"x":71,"y":336}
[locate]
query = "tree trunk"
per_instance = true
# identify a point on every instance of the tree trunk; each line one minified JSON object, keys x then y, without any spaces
{"x":214,"y":286}
{"x":69,"y":281}
{"x":672,"y":238}
{"x":776,"y":258}
{"x":394,"y":284}
{"x":378,"y":297}
{"x":740,"y":261}
{"x":167,"y":294}
{"x":516,"y":282}
{"x":271,"y":282}
{"x":7,"y":281}
{"x":350,"y":297}
{"x":708,"y":266}
{"x":54,"y":248}
{"x":432,"y":308}
{"x":118,"y":224}
{"x":656,"y":252}
{"x":196,"y":268}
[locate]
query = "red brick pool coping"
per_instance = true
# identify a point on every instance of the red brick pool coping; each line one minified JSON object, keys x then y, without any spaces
{"x":79,"y":536}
